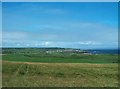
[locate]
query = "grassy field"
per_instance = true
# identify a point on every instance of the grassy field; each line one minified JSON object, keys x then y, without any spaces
{"x":17,"y":74}
{"x":61,"y":59}
{"x":52,"y":56}
{"x":36,"y":68}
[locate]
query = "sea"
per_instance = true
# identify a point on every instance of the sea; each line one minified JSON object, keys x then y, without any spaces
{"x":103,"y":51}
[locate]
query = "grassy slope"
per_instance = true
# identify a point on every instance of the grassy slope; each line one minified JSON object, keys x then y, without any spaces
{"x":82,"y":58}
{"x":59,"y":74}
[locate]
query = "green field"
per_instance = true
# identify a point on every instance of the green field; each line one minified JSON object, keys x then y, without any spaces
{"x":36,"y":68}
{"x":59,"y":75}
{"x":61,"y":59}
{"x":40,"y":55}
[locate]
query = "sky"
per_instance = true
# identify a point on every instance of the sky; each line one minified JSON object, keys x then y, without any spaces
{"x":84,"y":25}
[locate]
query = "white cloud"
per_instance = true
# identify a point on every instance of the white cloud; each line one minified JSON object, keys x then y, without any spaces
{"x":14,"y":35}
{"x":89,"y":43}
{"x":27,"y":44}
{"x":46,"y":43}
{"x":53,"y":43}
{"x":82,"y":34}
{"x":18,"y":44}
{"x":78,"y":44}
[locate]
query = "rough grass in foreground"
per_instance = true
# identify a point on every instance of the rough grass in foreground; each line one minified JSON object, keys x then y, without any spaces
{"x":16,"y":74}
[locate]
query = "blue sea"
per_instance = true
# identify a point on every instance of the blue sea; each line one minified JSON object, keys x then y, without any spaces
{"x":103,"y":51}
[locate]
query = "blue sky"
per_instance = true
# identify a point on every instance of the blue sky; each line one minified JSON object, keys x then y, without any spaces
{"x":85,"y":25}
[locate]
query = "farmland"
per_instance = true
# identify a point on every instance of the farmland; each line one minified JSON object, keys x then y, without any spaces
{"x":56,"y":67}
{"x":56,"y":55}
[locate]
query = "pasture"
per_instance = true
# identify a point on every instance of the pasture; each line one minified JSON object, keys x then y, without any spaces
{"x":52,"y":56}
{"x":36,"y":68}
{"x":59,"y":75}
